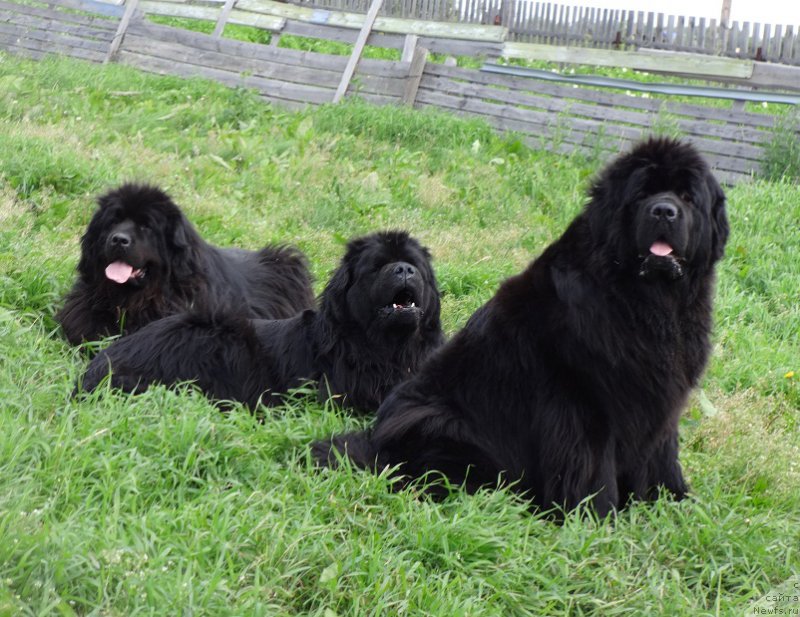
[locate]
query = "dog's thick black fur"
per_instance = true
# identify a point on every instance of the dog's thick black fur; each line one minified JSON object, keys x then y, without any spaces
{"x":571,"y":380}
{"x":378,"y":319}
{"x":141,"y":260}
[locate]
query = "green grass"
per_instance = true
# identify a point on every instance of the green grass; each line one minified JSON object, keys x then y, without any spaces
{"x":160,"y":505}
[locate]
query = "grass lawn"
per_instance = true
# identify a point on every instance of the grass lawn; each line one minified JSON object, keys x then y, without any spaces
{"x":161,"y":505}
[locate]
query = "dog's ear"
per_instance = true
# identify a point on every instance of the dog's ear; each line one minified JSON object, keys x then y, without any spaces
{"x":333,"y":301}
{"x":94,"y":238}
{"x":180,"y":239}
{"x":719,"y":218}
{"x":183,"y":241}
{"x":92,"y":249}
{"x":619,"y":184}
{"x":431,"y":320}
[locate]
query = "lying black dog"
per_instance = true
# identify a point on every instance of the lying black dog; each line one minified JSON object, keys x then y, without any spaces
{"x":141,"y":260}
{"x":378,"y":320}
{"x":571,"y":380}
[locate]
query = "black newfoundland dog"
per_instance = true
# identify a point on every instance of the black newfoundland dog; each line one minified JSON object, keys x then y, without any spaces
{"x":141,"y":259}
{"x":570,"y":381}
{"x":378,"y":319}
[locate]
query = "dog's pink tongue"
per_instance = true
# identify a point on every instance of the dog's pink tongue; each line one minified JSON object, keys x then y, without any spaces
{"x":662,"y":249}
{"x":119,"y":272}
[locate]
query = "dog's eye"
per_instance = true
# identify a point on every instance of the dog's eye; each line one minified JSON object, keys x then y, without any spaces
{"x":687,"y":197}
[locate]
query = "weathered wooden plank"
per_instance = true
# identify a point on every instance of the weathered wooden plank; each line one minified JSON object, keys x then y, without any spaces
{"x":649,"y":88}
{"x":410,"y":42}
{"x":274,"y":88}
{"x":60,"y":16}
{"x":618,"y":114}
{"x":456,"y":47}
{"x":701,"y":34}
{"x":564,"y":129}
{"x":418,"y":60}
{"x":292,"y":74}
{"x":744,"y":38}
{"x":358,"y":48}
{"x":786,"y":45}
{"x":9,"y":45}
{"x":209,"y":13}
{"x":600,"y":97}
{"x":222,"y":19}
{"x":61,"y":41}
{"x":778,"y":76}
{"x":473,"y":32}
{"x":292,"y":57}
{"x":640,"y":60}
{"x":575,"y":127}
{"x":39,"y":23}
{"x":130,"y":11}
{"x":10,"y":41}
{"x":607,"y":117}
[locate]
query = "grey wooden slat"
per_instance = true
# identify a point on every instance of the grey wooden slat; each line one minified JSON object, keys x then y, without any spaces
{"x":60,"y":40}
{"x":122,"y":28}
{"x":222,"y":18}
{"x":275,"y":88}
{"x":542,"y":139}
{"x":654,"y":88}
{"x":418,"y":60}
{"x":60,"y":16}
{"x":786,"y":44}
{"x":291,"y":57}
{"x":697,"y":111}
{"x":622,"y":125}
{"x":701,"y":35}
{"x":292,"y":74}
{"x":9,"y":45}
{"x":713,"y":37}
{"x":605,"y":113}
{"x":570,"y":131}
{"x":768,"y":42}
{"x":358,"y":48}
{"x":49,"y":46}
{"x":40,"y":23}
{"x":649,"y":30}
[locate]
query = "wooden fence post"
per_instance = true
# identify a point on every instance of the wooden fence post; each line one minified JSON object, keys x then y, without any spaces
{"x":409,"y":45}
{"x":361,"y":42}
{"x":418,"y":60}
{"x":130,"y":9}
{"x":223,"y":18}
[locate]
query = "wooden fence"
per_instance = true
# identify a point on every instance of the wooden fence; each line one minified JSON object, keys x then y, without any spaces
{"x":602,"y":28}
{"x":547,"y":115}
{"x":560,"y":24}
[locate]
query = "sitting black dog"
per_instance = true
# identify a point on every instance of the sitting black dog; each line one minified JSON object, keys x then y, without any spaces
{"x":570,"y":382}
{"x":378,"y":320}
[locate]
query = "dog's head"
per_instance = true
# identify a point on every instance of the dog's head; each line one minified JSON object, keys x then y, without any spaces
{"x":385,"y":286}
{"x":136,"y":238}
{"x":658,"y":209}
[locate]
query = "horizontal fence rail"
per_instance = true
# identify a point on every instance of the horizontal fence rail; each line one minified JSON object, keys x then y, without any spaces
{"x":583,"y":116}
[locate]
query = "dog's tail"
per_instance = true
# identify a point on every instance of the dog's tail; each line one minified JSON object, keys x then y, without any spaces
{"x":289,"y":277}
{"x":287,"y":259}
{"x":357,"y":447}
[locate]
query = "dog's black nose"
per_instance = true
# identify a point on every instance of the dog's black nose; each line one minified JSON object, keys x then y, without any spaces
{"x":404,"y":270}
{"x":664,"y":210}
{"x":120,"y":239}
